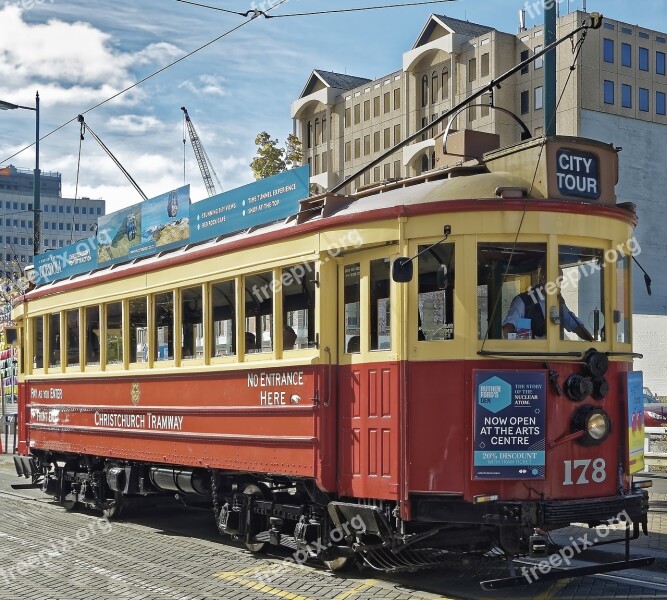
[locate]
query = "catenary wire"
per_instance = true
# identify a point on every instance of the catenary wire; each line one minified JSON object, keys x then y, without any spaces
{"x":256,"y":13}
{"x":137,"y":83}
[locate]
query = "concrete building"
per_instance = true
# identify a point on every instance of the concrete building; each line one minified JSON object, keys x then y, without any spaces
{"x":64,"y":220}
{"x":616,"y":93}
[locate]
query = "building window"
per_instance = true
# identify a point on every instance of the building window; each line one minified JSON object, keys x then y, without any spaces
{"x":397,"y":98}
{"x":376,"y":142}
{"x":376,"y":174}
{"x":424,"y":124}
{"x":643,"y":99}
{"x":608,"y":92}
{"x":660,"y":63}
{"x":376,"y":106}
{"x":397,"y":169}
{"x":347,"y":121}
{"x":367,"y":145}
{"x":357,"y":148}
{"x":524,"y":56}
{"x":643,"y":59}
{"x":387,"y":102}
{"x":347,"y":152}
{"x":397,"y":134}
{"x":626,"y":30}
{"x":309,"y":135}
{"x":387,"y":171}
{"x":608,"y":50}
{"x":387,"y":138}
{"x":316,"y":167}
{"x":485,"y":66}
{"x":539,"y":62}
{"x":424,"y":90}
{"x":525,"y":102}
{"x":445,"y":83}
{"x":357,"y":113}
{"x":626,"y":55}
{"x":60,"y":208}
{"x":626,"y":96}
{"x":538,"y":98}
{"x":472,"y":69}
{"x":660,"y":103}
{"x":472,"y":113}
{"x":434,"y":87}
{"x":367,"y":110}
{"x":316,"y":133}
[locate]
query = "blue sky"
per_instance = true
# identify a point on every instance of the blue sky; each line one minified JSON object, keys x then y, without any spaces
{"x":78,"y":53}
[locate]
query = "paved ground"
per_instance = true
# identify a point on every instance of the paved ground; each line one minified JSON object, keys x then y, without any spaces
{"x":177,"y":554}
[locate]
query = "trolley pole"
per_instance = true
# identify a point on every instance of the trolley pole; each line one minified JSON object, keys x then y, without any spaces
{"x":550,"y":20}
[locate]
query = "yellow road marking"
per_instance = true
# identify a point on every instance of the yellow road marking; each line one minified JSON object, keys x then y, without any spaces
{"x":234,"y":577}
{"x":356,"y":590}
{"x":557,"y":586}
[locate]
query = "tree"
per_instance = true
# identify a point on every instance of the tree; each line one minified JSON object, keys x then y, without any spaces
{"x":271,"y":160}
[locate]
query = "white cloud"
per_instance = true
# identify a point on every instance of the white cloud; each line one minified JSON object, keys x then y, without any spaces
{"x":209,"y":85}
{"x":135,"y":124}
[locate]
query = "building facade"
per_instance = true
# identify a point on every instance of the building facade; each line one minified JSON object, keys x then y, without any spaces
{"x":64,"y":220}
{"x":616,"y":93}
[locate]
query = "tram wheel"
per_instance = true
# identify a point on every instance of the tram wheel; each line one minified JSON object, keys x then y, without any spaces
{"x":115,"y":508}
{"x":338,"y":564}
{"x":70,"y":502}
{"x":256,"y":491}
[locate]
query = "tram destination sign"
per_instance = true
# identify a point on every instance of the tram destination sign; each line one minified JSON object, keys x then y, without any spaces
{"x":578,"y":174}
{"x":257,"y":203}
{"x":510,"y":418}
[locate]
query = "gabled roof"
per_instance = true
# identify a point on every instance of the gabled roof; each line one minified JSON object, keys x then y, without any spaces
{"x":466,"y":28}
{"x":332,"y":80}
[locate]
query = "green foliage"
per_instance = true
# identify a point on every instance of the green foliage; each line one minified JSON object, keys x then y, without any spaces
{"x":271,"y":160}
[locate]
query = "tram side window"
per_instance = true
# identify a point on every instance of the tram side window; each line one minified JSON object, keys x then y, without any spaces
{"x":38,"y":342}
{"x":54,"y":340}
{"x":93,"y":335}
{"x":505,"y":272}
{"x":380,"y":282}
{"x":298,"y":286}
{"x":436,"y":293}
{"x":582,"y":291}
{"x":164,"y":326}
{"x":259,"y":312}
{"x":223,"y":307}
{"x":192,"y":323}
{"x":622,"y":309}
{"x":138,"y":330}
{"x":114,"y":335}
{"x":72,"y":339}
{"x":352,"y":289}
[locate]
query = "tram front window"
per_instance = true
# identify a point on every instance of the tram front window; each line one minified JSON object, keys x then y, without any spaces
{"x":508,"y":277}
{"x":581,"y":283}
{"x":38,"y":342}
{"x":436,"y":293}
{"x":380,"y":322}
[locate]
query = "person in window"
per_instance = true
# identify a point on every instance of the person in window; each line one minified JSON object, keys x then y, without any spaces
{"x":250,"y":343}
{"x":289,"y":338}
{"x":527,"y":319}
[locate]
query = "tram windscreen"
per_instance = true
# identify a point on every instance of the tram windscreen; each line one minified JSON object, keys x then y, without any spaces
{"x":352,"y":288}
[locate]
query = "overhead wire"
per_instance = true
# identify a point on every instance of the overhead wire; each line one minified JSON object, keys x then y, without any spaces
{"x":137,"y":83}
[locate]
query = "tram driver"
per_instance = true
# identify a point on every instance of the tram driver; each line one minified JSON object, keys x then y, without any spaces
{"x":527,"y":319}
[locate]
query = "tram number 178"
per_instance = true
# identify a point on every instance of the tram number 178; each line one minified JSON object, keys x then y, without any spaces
{"x":584,"y":471}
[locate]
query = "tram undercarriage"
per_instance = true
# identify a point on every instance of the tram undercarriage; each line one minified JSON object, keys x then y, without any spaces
{"x":263,"y":510}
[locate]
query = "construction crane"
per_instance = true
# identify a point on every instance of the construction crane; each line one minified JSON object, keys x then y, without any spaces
{"x":204,"y":162}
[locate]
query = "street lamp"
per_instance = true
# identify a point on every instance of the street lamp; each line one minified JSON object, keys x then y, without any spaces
{"x":36,"y":222}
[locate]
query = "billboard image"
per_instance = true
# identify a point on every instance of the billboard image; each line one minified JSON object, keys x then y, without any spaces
{"x":121,"y":232}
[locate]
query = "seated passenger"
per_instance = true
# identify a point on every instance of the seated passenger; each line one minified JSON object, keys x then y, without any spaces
{"x":526,"y":317}
{"x":250,"y":343}
{"x":354,"y":344}
{"x":289,"y":338}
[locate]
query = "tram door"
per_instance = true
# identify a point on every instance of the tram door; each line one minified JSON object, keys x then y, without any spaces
{"x":368,"y":379}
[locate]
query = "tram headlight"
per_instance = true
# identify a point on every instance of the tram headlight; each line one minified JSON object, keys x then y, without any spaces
{"x":594,"y":422}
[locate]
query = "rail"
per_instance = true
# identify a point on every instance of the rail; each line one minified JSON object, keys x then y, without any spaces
{"x":655,"y":459}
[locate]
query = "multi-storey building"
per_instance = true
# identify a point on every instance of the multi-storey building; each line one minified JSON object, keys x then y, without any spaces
{"x":64,"y":220}
{"x":616,"y":92}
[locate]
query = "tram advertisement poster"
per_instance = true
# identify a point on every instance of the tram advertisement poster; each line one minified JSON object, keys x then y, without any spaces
{"x":157,"y":224}
{"x":257,"y":203}
{"x":635,"y":387}
{"x":76,"y":258}
{"x":510,"y":418}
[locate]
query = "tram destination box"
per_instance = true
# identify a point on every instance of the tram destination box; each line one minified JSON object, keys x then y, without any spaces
{"x":564,"y":168}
